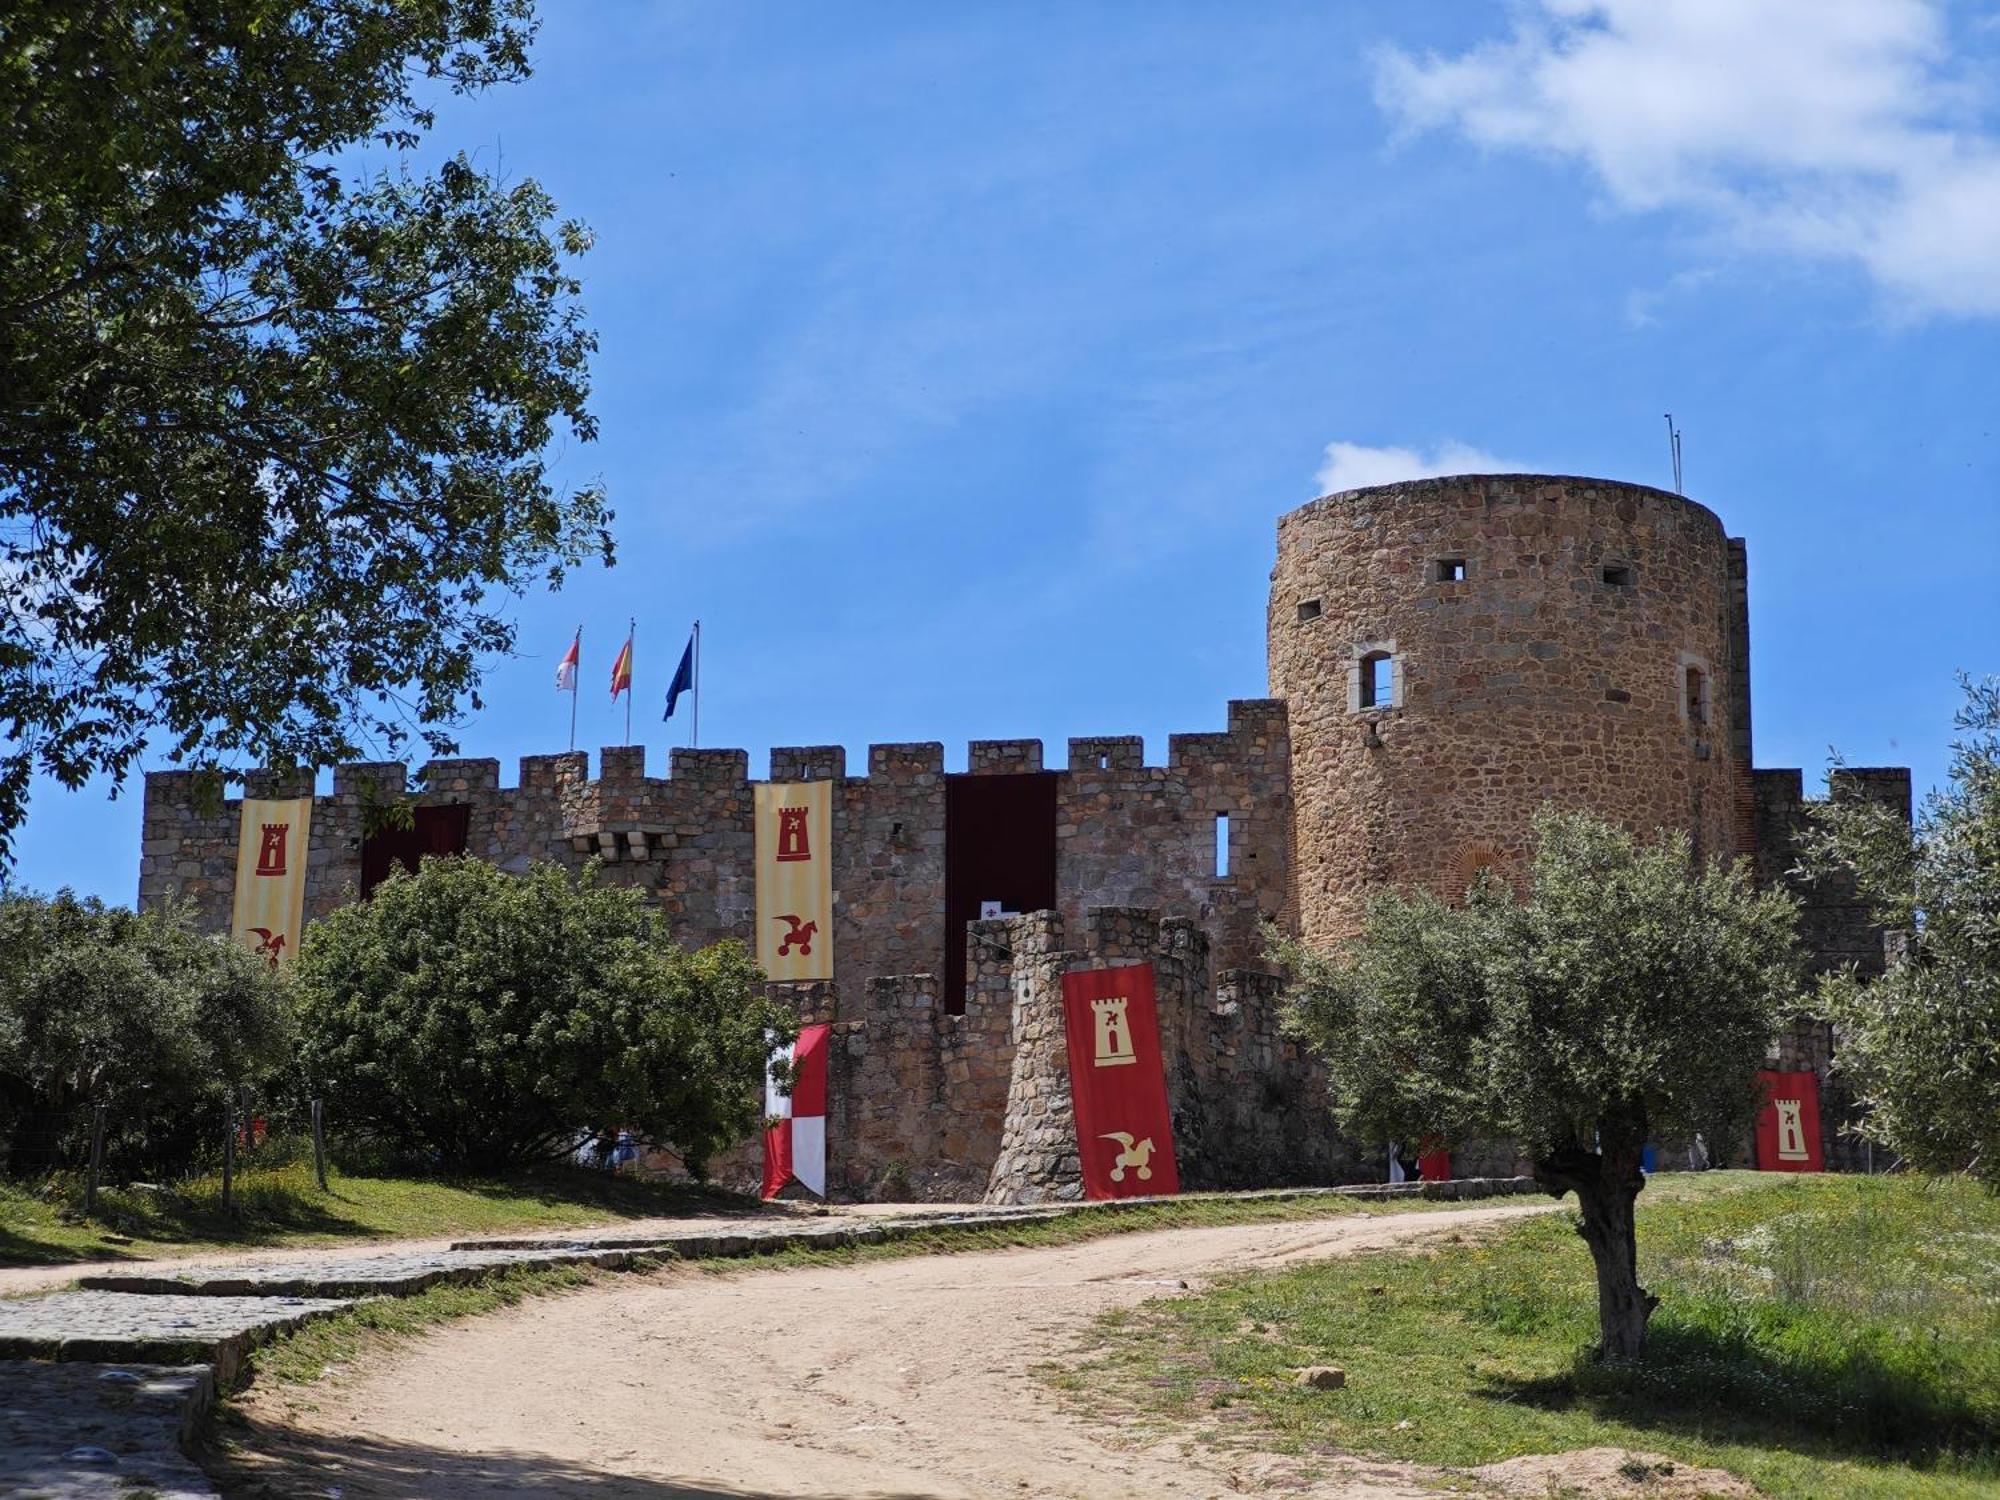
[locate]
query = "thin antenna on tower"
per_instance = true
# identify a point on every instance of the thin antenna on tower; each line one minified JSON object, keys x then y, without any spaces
{"x":1674,"y":448}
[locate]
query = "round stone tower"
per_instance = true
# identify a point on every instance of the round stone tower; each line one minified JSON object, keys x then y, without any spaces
{"x":1455,"y":652}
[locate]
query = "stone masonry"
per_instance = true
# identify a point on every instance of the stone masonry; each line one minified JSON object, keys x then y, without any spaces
{"x":1540,"y":634}
{"x":1446,"y":656}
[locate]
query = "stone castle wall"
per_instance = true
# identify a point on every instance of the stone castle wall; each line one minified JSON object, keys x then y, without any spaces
{"x":1126,"y":833}
{"x":1248,"y":1105}
{"x":1530,"y":679}
{"x":1835,"y":929}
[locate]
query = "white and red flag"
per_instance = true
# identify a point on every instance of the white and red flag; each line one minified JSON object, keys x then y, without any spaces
{"x":566,"y":668}
{"x":795,"y":1123}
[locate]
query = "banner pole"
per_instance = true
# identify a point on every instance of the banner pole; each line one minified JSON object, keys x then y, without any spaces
{"x":631,"y":661}
{"x":694,"y":738}
{"x":575,"y":682}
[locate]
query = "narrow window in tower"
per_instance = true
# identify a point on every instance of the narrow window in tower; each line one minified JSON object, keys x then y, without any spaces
{"x":1378,"y":680}
{"x":1308,"y":610}
{"x":1450,"y":570}
{"x":1697,"y":695}
{"x":1222,"y":846}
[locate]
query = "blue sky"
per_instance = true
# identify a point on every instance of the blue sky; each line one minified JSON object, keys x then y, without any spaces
{"x":958,"y":360}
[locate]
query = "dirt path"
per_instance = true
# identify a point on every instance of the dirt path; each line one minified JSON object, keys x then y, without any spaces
{"x":21,"y":1281}
{"x":895,"y":1378}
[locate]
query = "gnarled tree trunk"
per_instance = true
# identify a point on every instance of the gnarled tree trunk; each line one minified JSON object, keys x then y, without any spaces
{"x":1607,"y":1183}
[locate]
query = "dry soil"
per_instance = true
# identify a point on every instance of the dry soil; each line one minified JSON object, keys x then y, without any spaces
{"x":886,"y":1378}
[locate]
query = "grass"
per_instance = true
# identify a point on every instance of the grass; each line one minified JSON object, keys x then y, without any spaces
{"x":281,"y":1204}
{"x":1818,"y":1336}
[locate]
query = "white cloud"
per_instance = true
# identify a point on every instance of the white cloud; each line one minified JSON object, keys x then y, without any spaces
{"x":1831,"y":128}
{"x":1353,"y":466}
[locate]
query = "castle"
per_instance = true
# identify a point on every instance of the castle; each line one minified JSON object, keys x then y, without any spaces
{"x":1446,"y":655}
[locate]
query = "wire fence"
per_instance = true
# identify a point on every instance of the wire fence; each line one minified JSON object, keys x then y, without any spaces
{"x":130,"y":1160}
{"x":79,"y":1151}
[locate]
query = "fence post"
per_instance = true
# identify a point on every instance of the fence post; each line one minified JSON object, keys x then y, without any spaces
{"x":96,"y":1159}
{"x":228,"y":1148}
{"x":319,"y":1145}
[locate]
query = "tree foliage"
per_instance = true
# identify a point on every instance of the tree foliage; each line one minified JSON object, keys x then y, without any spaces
{"x":484,"y":1020}
{"x":138,"y":1012}
{"x":273,"y":397}
{"x":1630,"y":996}
{"x":1922,"y":1043}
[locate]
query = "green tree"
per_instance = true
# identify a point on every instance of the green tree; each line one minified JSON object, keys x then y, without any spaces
{"x":1922,"y":1043}
{"x":1631,"y":995}
{"x":138,"y":1012}
{"x":273,"y":396}
{"x":489,"y":1020}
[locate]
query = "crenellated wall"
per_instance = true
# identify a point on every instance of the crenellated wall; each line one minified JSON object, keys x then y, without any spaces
{"x":1126,"y":833}
{"x":1836,"y":930}
{"x":1249,"y":1107}
{"x":1550,"y":639}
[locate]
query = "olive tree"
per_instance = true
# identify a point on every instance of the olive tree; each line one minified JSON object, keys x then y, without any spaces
{"x":1922,"y":1043}
{"x":483,"y":1020}
{"x":1630,"y":994}
{"x":140,"y":1012}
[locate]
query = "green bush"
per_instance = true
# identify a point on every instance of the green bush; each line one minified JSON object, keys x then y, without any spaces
{"x":136,"y":1011}
{"x":480,"y":1021}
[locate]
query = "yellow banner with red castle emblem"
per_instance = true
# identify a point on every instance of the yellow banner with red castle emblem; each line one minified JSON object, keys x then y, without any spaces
{"x":271,"y":876}
{"x":795,"y":879}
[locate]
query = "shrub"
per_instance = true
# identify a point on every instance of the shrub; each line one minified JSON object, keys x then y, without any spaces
{"x":481,"y":1020}
{"x":136,"y":1011}
{"x":1922,"y":1043}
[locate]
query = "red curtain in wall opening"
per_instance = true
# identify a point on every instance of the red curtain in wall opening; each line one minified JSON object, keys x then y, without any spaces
{"x":439,"y":831}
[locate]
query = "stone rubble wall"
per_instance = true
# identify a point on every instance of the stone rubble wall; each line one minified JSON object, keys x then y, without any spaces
{"x":1530,"y":680}
{"x":1126,"y":832}
{"x":1247,"y":1105}
{"x":1837,"y":932}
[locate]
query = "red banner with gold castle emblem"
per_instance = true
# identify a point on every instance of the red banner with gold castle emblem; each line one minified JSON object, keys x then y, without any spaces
{"x":1788,"y":1124}
{"x":1118,"y":1083}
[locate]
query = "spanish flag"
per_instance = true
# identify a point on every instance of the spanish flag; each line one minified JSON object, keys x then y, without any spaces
{"x":621,"y":671}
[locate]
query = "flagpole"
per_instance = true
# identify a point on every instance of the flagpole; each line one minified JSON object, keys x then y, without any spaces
{"x":631,"y":658}
{"x":575,"y":682}
{"x":694,"y":740}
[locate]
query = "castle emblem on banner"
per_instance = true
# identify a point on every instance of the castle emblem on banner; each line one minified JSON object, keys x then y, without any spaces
{"x":1114,"y":1033}
{"x":794,"y":842}
{"x":271,"y":849}
{"x":1791,"y":1131}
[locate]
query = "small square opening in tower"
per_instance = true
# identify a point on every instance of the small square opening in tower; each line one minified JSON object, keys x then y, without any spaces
{"x":1308,"y":610}
{"x":1378,"y":680}
{"x":1449,"y":570}
{"x":1618,"y":575}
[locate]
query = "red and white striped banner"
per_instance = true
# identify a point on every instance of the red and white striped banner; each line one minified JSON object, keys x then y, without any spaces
{"x":795,"y":1128}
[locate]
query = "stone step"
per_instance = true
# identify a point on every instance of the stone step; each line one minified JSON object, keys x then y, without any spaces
{"x":389,"y":1274}
{"x":722,"y":1244}
{"x":162,"y":1330}
{"x":102,"y":1432}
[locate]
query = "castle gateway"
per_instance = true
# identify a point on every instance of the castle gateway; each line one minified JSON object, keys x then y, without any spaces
{"x":1446,"y":655}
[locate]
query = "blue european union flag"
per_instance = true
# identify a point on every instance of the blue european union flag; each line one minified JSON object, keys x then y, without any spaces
{"x":683,"y":680}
